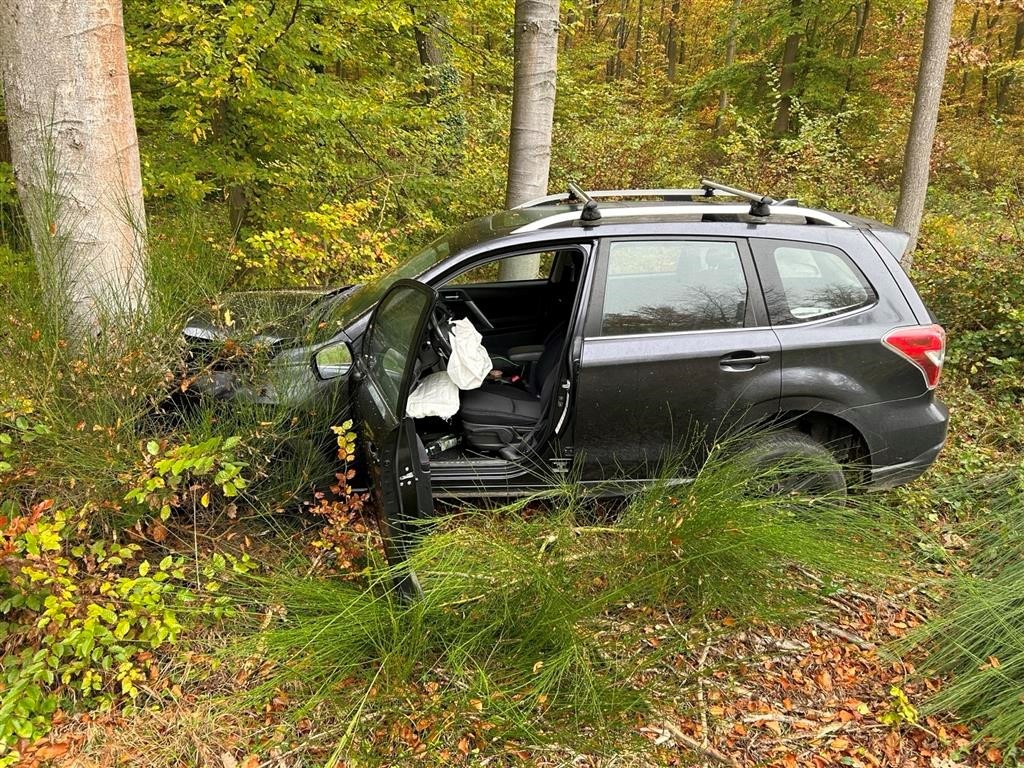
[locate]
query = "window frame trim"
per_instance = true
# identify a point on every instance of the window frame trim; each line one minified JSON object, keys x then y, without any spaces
{"x":755,"y":316}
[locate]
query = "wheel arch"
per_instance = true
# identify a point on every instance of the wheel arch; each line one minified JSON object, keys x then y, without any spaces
{"x":840,"y":435}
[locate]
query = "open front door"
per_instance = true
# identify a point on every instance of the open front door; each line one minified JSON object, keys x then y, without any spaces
{"x":385,"y":368}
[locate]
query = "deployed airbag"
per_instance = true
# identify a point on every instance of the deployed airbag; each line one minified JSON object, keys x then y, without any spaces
{"x":436,"y":395}
{"x":469,"y":363}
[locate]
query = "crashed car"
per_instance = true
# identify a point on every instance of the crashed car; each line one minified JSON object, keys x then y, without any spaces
{"x":641,"y":323}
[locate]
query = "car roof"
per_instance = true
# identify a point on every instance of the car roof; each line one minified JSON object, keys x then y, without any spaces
{"x":562,"y":221}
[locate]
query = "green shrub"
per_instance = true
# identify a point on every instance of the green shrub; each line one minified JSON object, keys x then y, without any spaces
{"x":968,"y":273}
{"x":186,"y":475}
{"x":18,"y":427}
{"x":339,"y":244}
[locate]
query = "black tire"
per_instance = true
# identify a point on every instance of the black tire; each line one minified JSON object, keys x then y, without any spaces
{"x":804,"y":466}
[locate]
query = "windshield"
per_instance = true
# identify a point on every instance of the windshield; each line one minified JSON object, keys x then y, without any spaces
{"x":349,"y":305}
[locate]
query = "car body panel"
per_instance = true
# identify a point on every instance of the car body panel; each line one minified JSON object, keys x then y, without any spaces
{"x":650,"y":398}
{"x":838,"y":365}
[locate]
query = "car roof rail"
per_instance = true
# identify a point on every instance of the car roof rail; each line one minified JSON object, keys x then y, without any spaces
{"x":761,"y":206}
{"x":668,"y":195}
{"x":810,"y":215}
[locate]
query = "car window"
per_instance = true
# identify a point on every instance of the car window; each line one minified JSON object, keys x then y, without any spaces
{"x":390,"y":339}
{"x":814,"y":283}
{"x":490,"y":272}
{"x":664,"y":285}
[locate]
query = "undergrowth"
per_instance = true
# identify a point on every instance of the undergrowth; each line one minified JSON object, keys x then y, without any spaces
{"x":527,"y":609}
{"x":977,"y":640}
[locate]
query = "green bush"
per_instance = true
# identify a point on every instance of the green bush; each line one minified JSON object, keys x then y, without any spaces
{"x":967,"y":270}
{"x":80,"y":615}
{"x":339,"y":244}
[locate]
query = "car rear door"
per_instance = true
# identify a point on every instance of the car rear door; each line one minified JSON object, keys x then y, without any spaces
{"x":397,"y":461}
{"x":676,"y":351}
{"x":831,"y":306}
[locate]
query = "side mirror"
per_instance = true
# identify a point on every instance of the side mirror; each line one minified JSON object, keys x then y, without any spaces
{"x":332,"y":361}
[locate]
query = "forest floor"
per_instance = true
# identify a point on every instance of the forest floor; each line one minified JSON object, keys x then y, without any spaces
{"x":819,"y":694}
{"x":829,"y":690}
{"x":825,"y":692}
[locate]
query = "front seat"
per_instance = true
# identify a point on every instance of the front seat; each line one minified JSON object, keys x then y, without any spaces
{"x":496,"y":416}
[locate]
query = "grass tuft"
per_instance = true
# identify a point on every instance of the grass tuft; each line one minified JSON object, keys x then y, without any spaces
{"x":535,"y":612}
{"x":977,"y":639}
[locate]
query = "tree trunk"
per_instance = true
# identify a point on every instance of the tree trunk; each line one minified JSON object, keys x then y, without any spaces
{"x":730,"y":58}
{"x":5,"y":142}
{"x":681,"y":61}
{"x":75,"y":152}
{"x":621,"y":38}
{"x":863,"y":14}
{"x":920,"y":139}
{"x":637,"y":53}
{"x":671,"y":44}
{"x":238,"y":207}
{"x":234,"y":188}
{"x":533,"y":108}
{"x":1006,"y":81}
{"x":787,"y":78}
{"x":991,"y":21}
{"x":972,"y":34}
{"x":433,"y":53}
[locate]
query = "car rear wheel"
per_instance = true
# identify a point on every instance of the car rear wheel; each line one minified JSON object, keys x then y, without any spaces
{"x":791,"y":462}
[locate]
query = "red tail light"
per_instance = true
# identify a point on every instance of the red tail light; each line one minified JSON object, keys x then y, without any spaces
{"x":923,"y":345}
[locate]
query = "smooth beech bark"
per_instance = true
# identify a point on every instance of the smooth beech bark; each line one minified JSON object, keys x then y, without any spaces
{"x":533,"y":109}
{"x":75,"y":152}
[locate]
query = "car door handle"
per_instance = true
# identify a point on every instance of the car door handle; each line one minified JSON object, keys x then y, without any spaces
{"x":742,"y":361}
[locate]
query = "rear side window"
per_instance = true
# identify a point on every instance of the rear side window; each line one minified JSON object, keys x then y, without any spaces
{"x":661,"y":286}
{"x":803,"y":283}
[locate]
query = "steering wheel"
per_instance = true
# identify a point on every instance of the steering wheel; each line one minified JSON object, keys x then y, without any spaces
{"x":440,"y":328}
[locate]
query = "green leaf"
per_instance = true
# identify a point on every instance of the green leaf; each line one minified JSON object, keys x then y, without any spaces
{"x":121,"y":630}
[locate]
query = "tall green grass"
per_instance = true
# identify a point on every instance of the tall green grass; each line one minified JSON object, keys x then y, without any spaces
{"x":103,"y":392}
{"x":538,"y":605}
{"x":976,"y":640}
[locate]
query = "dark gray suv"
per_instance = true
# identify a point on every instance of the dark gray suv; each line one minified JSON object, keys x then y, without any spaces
{"x":641,"y":324}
